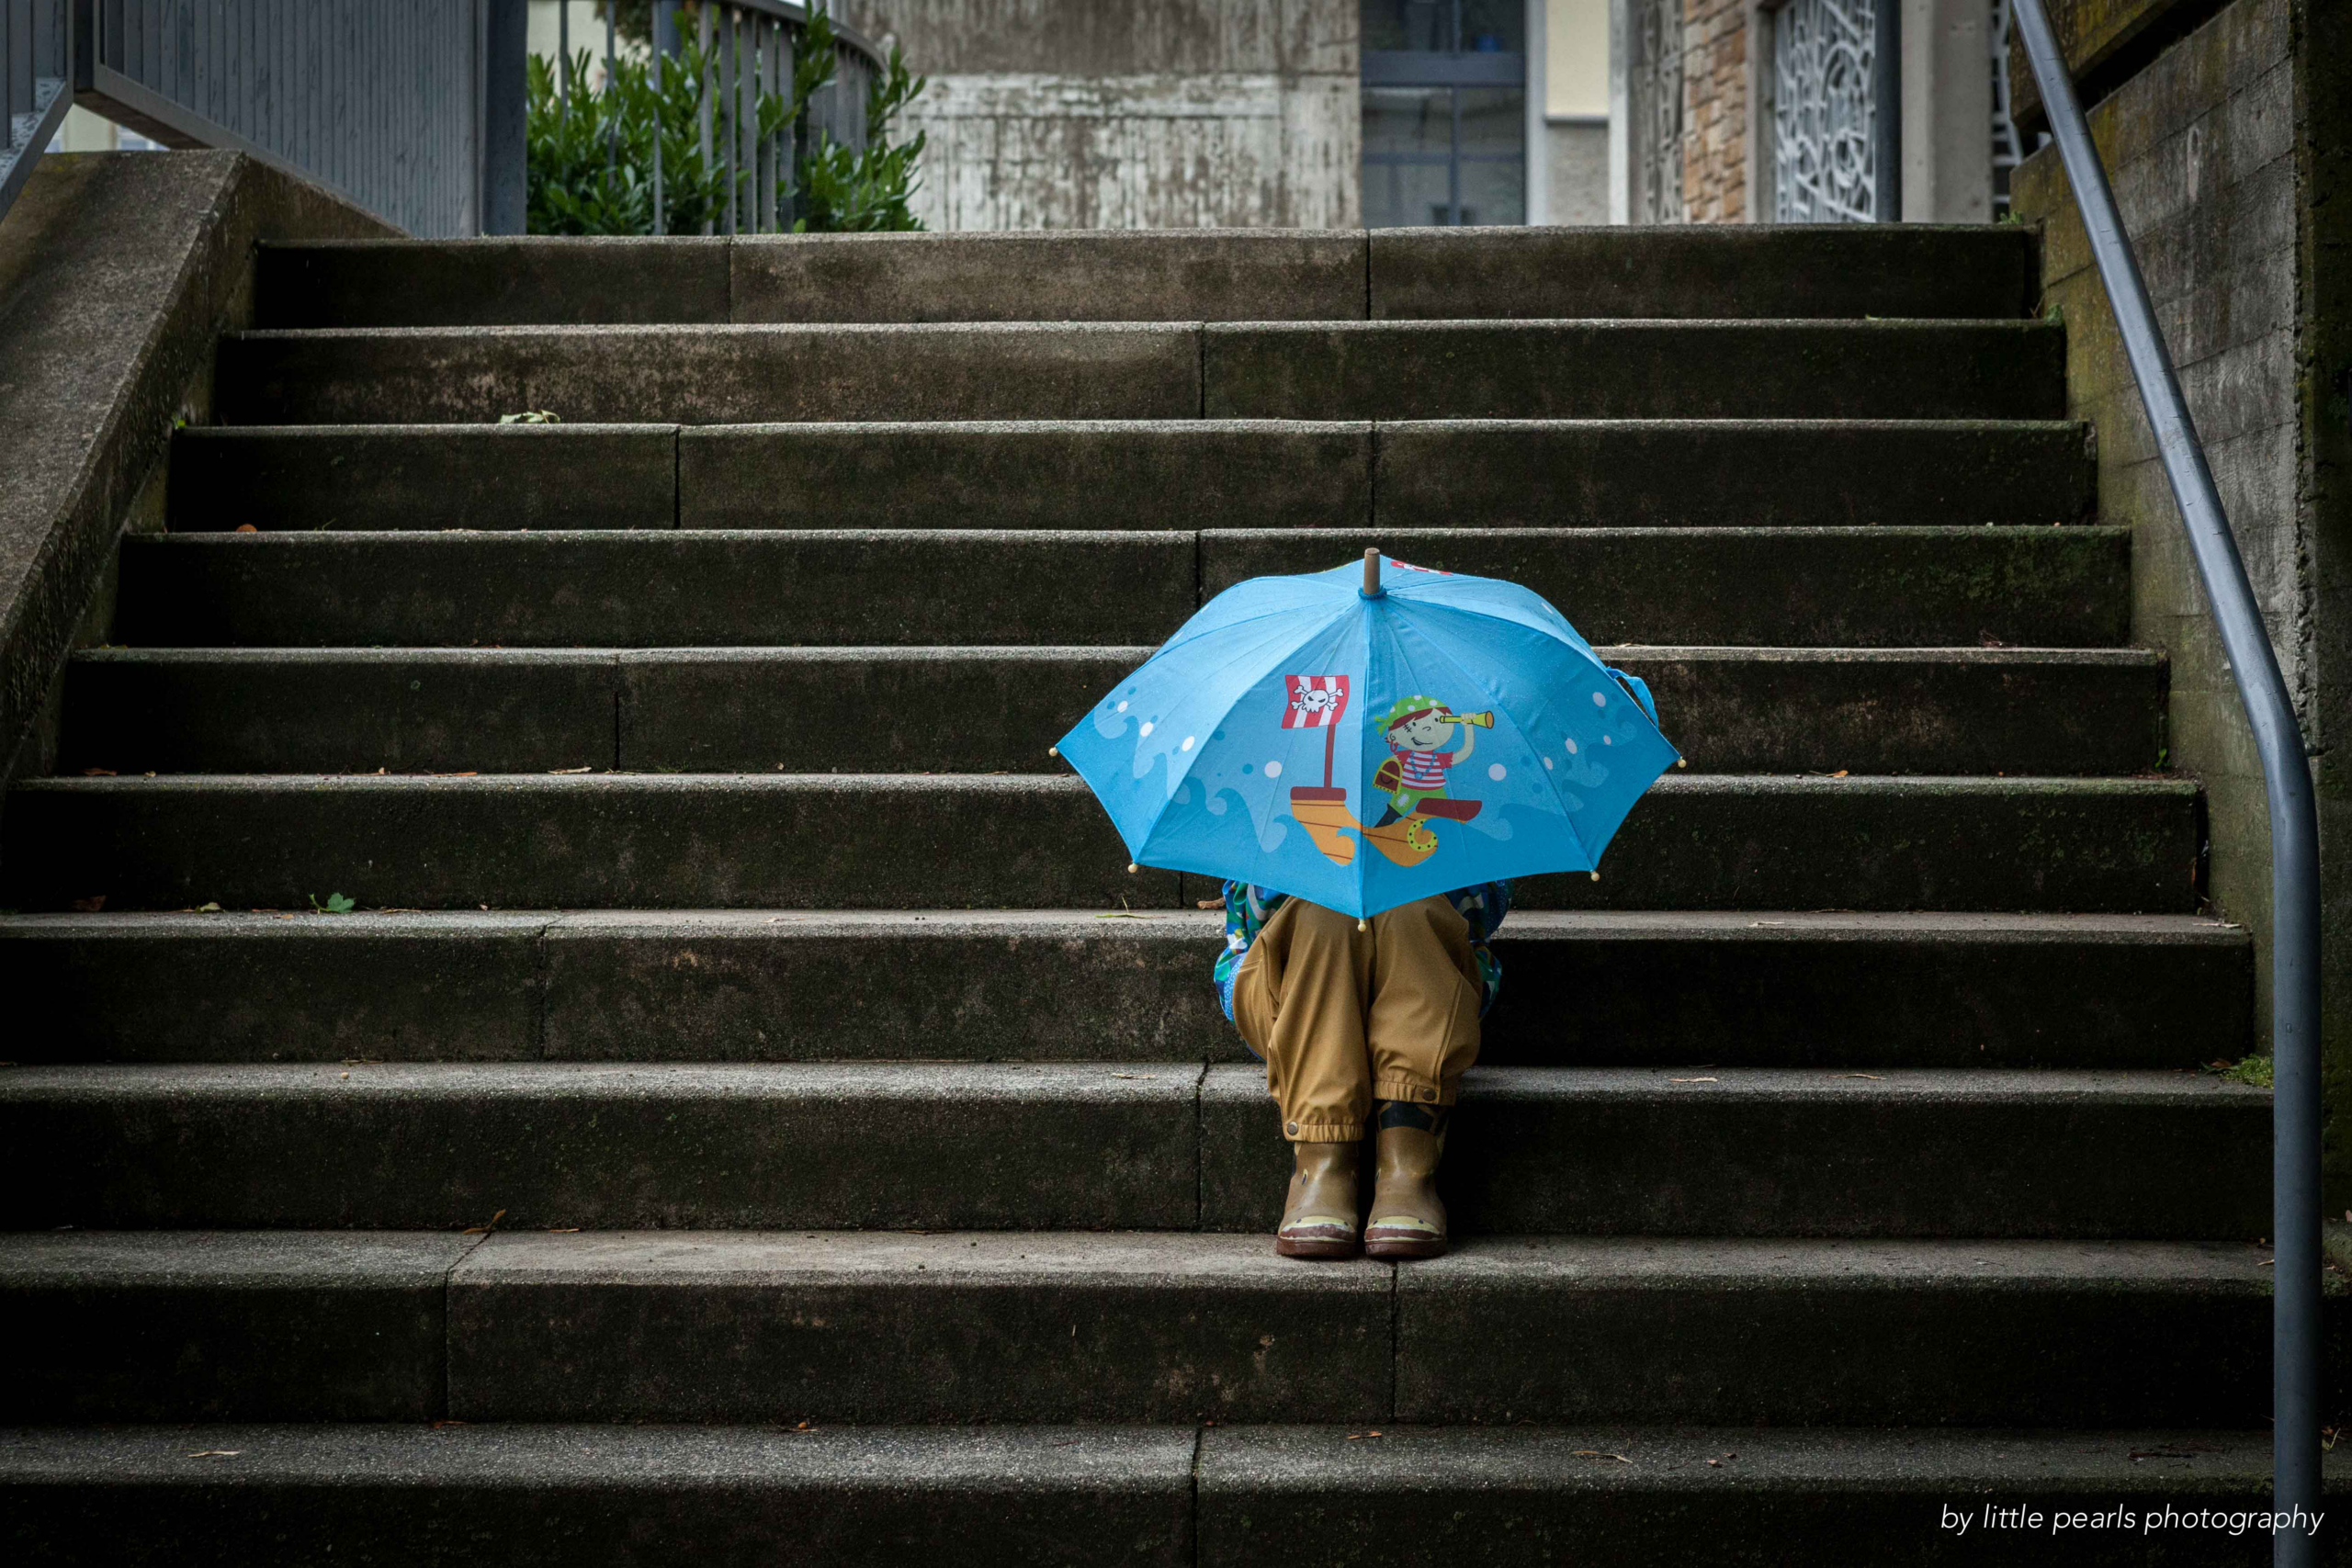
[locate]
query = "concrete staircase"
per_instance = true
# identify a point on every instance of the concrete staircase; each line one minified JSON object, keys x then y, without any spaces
{"x":753,"y":1106}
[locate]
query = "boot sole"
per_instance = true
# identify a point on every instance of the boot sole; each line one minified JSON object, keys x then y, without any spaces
{"x":1405,"y":1246}
{"x":1313,"y":1247}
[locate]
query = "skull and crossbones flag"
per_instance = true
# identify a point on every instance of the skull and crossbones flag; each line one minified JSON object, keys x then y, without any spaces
{"x":1316,"y":701}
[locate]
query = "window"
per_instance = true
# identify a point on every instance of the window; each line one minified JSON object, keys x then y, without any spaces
{"x":1444,"y":112}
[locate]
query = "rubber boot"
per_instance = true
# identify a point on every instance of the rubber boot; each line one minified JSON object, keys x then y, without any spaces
{"x":1320,"y":1215}
{"x":1407,"y":1220}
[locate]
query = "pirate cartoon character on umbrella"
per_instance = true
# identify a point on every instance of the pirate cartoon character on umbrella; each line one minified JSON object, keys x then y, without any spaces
{"x":1418,"y":729}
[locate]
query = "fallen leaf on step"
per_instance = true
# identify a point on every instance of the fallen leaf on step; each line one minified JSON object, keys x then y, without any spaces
{"x":1358,"y":1437}
{"x":486,"y":1229}
{"x":1597,"y":1454}
{"x":1694,"y":1080}
{"x":571,"y":770}
{"x":1875,"y":1077}
{"x":1219,"y":904}
{"x":216,"y":1453}
{"x":447,"y":1421}
{"x":1125,"y":915}
{"x":1733,"y":1455}
{"x":1840,"y":773}
{"x":563,"y":1230}
{"x":98,"y":772}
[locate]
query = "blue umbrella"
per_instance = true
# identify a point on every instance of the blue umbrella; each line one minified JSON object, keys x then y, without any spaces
{"x":1362,"y":741}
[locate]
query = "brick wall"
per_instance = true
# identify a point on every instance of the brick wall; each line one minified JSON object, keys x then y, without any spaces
{"x":1714,"y":110}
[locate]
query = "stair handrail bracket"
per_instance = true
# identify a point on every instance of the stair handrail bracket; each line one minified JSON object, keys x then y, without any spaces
{"x":2294,"y":823}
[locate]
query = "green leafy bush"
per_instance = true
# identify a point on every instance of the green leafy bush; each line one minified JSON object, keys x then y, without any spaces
{"x":592,"y":155}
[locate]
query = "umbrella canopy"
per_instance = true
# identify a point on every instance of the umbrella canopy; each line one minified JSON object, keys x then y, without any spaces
{"x":1364,"y":737}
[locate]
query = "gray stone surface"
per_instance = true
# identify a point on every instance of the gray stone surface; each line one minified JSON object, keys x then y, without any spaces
{"x":1634,"y":370}
{"x":1188,"y":473}
{"x":710,"y":375}
{"x":1581,"y":989}
{"x":859,"y":709}
{"x":244,"y":988}
{"x":116,"y":273}
{"x":1162,"y":274}
{"x":725,"y":986}
{"x":1788,"y":1331}
{"x":1712,"y":1150}
{"x":1760,"y":587}
{"x":1712,"y":270}
{"x":248,"y":1326}
{"x":1483,"y":1496}
{"x":820,"y":842}
{"x":491,"y":476}
{"x":982,"y":710}
{"x":769,"y":1326}
{"x":604,"y":1145}
{"x":557,"y":1496}
{"x":495,"y":282}
{"x":663,"y":589}
{"x":1763,"y":587}
{"x":1978,"y":710}
{"x":272,"y":710}
{"x":1445,"y":473}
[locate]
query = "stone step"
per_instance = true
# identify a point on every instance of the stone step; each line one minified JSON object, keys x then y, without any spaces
{"x":1602,"y":989}
{"x":1112,"y":276}
{"x":1166,"y":474}
{"x":832,"y":1327}
{"x":1965,"y":710}
{"x":789,"y":841}
{"x":1548,"y":369}
{"x":584,"y":1496}
{"x":1931,"y":587}
{"x":1718,"y":1151}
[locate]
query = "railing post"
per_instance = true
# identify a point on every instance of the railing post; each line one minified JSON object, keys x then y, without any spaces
{"x":2294,"y":823}
{"x":505,"y":154}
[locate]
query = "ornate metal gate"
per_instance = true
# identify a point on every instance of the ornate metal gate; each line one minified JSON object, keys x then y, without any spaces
{"x":1654,"y":81}
{"x":1833,"y":151}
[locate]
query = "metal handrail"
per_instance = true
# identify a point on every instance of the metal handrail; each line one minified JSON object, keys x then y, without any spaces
{"x":2294,"y":825}
{"x":35,"y":86}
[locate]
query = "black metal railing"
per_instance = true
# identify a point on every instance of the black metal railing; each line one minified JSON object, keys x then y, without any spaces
{"x":36,"y":83}
{"x":411,"y":108}
{"x":748,"y":50}
{"x":2294,"y":824}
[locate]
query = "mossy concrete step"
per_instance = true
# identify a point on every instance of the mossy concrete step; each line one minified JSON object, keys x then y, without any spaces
{"x":1180,"y":474}
{"x":1963,"y":710}
{"x":1229,"y":274}
{"x":584,"y":1496}
{"x":545,"y":1496}
{"x":1552,"y":370}
{"x":979,"y":1146}
{"x":948,"y":1328}
{"x":1635,"y":989}
{"x":793,"y":841}
{"x":1934,"y":587}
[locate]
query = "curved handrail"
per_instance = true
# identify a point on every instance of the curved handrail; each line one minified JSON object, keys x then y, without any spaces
{"x":2294,"y":824}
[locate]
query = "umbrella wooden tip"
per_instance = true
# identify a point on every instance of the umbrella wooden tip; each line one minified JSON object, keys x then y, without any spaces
{"x":1363,"y":925}
{"x":1596,"y":877}
{"x":1052,"y":751}
{"x":1682,"y":761}
{"x":1133,"y":868}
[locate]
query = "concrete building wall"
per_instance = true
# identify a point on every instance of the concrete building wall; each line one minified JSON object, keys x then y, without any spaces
{"x":2217,"y":152}
{"x":1575,"y":144}
{"x":1077,"y":114}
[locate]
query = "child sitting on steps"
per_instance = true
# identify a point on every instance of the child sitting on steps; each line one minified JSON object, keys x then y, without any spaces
{"x":1357,"y":1020}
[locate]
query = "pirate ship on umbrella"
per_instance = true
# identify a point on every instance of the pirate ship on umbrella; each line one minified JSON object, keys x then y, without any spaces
{"x":1418,"y":730}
